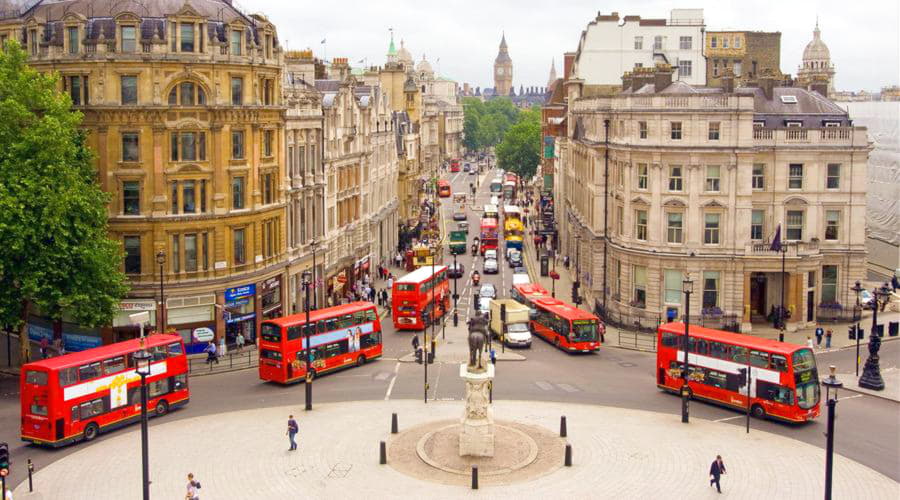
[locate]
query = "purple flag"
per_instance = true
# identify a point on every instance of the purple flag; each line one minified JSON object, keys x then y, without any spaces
{"x":776,"y":241}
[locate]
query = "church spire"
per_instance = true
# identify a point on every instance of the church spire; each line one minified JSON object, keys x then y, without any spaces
{"x":503,"y":39}
{"x":552,"y":72}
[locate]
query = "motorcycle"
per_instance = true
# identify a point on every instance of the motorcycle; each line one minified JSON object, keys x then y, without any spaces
{"x":476,"y":278}
{"x":474,"y":250}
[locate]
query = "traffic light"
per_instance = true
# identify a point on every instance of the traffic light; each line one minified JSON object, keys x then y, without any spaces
{"x":4,"y":456}
{"x":419,"y":356}
{"x":742,"y":377}
{"x":575,"y":293}
{"x":852,"y":332}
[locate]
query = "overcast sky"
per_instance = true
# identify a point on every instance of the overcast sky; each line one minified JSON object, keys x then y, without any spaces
{"x":862,"y":35}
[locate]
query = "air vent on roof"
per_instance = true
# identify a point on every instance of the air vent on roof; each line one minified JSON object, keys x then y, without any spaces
{"x":789,"y":99}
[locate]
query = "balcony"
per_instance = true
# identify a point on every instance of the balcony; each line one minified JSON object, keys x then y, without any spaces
{"x":828,"y":136}
{"x":794,"y":249}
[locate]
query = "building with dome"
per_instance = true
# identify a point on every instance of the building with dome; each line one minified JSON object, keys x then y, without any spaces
{"x":503,"y":71}
{"x":816,"y":65}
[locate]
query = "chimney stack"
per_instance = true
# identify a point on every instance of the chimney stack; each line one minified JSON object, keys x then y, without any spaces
{"x":819,"y":84}
{"x":662,"y":77}
{"x":626,"y":81}
{"x":728,"y":81}
{"x":568,"y":62}
{"x":767,"y":83}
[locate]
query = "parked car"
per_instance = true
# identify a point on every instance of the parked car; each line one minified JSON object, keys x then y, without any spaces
{"x":466,"y":167}
{"x":456,"y":270}
{"x":488,"y":290}
{"x":472,"y":171}
{"x":491,"y":266}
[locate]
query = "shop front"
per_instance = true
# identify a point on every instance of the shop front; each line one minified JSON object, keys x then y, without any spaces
{"x":240,"y":313}
{"x":193,"y":318}
{"x":270,"y":298}
{"x":123,"y":329}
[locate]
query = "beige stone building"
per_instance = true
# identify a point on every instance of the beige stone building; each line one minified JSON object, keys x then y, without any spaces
{"x":746,"y":54}
{"x":183,"y":109}
{"x":699,"y":181}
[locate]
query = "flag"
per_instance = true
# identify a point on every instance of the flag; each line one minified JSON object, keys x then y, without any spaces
{"x":776,"y":241}
{"x":323,"y":41}
{"x":361,"y":61}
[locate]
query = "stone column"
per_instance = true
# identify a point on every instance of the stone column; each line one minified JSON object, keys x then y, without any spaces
{"x":476,"y":438}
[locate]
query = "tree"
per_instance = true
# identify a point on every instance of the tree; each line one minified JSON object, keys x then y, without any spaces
{"x":485,"y":124}
{"x":56,"y":254}
{"x":520,"y":151}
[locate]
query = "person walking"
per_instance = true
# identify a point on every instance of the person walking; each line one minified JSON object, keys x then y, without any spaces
{"x":292,"y":429}
{"x":45,"y":346}
{"x":715,"y":472}
{"x":819,"y":334}
{"x":828,"y":338}
{"x":390,"y":282}
{"x":385,"y":299}
{"x":211,"y":353}
{"x":193,"y":488}
{"x":239,"y":341}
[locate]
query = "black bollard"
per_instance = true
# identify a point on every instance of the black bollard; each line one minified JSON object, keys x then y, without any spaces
{"x":382,"y":449}
{"x":30,"y":471}
{"x":562,"y":427}
{"x":474,"y":477}
{"x":394,"y":425}
{"x":568,"y":462}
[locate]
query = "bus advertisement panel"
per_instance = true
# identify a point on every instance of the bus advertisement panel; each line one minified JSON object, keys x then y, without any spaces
{"x":489,"y":235}
{"x":784,"y":382}
{"x":567,"y":327}
{"x":420,"y":297}
{"x":76,"y":396}
{"x":339,"y":336}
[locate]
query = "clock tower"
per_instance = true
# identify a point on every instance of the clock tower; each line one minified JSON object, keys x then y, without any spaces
{"x":503,"y":70}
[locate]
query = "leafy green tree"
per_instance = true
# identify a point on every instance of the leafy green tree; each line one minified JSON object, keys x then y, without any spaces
{"x":56,"y":254}
{"x":520,"y":151}
{"x":485,"y":124}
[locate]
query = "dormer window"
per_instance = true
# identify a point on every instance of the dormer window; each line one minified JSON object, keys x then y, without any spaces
{"x":789,"y":99}
{"x":791,"y":124}
{"x":129,"y":38}
{"x":236,"y":38}
{"x":187,"y":94}
{"x":72,"y":39}
{"x":187,"y":37}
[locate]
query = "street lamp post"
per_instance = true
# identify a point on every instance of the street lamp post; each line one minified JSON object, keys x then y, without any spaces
{"x":161,"y":260}
{"x":455,"y":291}
{"x":142,"y":362}
{"x":687,"y":286}
{"x":858,"y":289}
{"x":309,"y":369}
{"x":871,"y":377}
{"x":315,"y":284}
{"x":830,"y":383}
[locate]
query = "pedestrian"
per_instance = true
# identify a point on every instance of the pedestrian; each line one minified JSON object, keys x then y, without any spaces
{"x":385,"y":299}
{"x":45,"y":345}
{"x":715,"y":472}
{"x":292,"y":430}
{"x":819,"y":333}
{"x":239,"y":341}
{"x":390,"y":282}
{"x":895,"y":283}
{"x":211,"y":353}
{"x":415,"y":343}
{"x":828,"y":338}
{"x":371,"y":295}
{"x":193,"y":488}
{"x":809,"y":341}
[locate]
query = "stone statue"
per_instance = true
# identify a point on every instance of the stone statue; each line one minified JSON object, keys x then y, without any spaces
{"x":477,"y":339}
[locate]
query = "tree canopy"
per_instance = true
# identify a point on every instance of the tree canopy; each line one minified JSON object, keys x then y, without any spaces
{"x":520,"y":150}
{"x":56,"y":252}
{"x":485,"y":123}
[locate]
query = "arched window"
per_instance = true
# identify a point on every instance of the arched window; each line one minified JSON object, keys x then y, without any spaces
{"x":187,"y":94}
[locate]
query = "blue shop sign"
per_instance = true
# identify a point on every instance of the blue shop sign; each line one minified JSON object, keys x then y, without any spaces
{"x":238,"y":319}
{"x":239,"y":292}
{"x":74,"y":342}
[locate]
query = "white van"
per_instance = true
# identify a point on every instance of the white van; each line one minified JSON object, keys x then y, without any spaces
{"x":520,"y":279}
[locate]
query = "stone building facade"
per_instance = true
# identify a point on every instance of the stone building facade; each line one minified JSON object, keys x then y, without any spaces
{"x":699,"y":182}
{"x":746,"y":53}
{"x":183,"y":108}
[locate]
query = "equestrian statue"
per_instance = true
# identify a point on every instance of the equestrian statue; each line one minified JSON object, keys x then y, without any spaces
{"x":477,"y":339}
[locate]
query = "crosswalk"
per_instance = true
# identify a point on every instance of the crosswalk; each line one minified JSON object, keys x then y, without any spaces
{"x":549,"y":386}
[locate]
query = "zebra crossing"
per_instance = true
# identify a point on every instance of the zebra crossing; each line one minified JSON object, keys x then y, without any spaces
{"x":550,"y":386}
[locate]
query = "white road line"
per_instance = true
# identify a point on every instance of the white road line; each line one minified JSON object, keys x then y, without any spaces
{"x":543,"y":385}
{"x":730,"y":418}
{"x":850,"y":397}
{"x":390,"y":388}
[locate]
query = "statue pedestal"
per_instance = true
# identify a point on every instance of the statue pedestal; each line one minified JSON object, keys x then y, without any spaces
{"x":476,"y":438}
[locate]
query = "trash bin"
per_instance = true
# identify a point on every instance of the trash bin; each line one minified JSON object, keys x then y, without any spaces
{"x":879,"y":330}
{"x":893,"y":328}
{"x":545,"y":265}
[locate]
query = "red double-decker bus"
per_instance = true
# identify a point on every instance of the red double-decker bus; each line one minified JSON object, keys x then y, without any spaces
{"x":567,"y":327}
{"x":454,"y":165}
{"x":420,"y":297}
{"x":339,"y":336}
{"x":76,"y":396}
{"x":489,"y":235}
{"x":444,"y":190}
{"x":784,"y":382}
{"x":527,"y":293}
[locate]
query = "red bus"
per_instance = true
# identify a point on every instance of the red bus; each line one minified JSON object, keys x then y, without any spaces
{"x":784,"y":382}
{"x":74,"y":397}
{"x":415,"y":296}
{"x":341,"y":336}
{"x":454,"y":165}
{"x":444,"y":188}
{"x":490,"y":234}
{"x":567,"y":327}
{"x":527,"y":293}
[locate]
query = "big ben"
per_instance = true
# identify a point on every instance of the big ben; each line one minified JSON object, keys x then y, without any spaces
{"x":503,"y":70}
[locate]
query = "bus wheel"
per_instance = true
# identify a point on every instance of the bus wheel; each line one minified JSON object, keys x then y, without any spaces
{"x":758,"y":411}
{"x":91,"y":431}
{"x":162,"y":407}
{"x":360,"y":361}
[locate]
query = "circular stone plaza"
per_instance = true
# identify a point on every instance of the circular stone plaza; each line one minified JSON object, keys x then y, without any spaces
{"x":617,"y":453}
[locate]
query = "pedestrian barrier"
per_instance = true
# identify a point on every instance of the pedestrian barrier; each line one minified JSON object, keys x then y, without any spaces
{"x":234,"y":360}
{"x":637,"y":340}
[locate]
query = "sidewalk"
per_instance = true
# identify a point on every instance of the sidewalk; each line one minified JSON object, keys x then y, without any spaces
{"x":891,"y":378}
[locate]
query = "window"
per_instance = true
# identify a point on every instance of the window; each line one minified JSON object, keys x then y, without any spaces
{"x":77,"y":88}
{"x":620,"y":220}
{"x":684,"y":68}
{"x":715,"y":68}
{"x":187,"y":37}
{"x":237,"y":91}
{"x":643,"y":176}
{"x":737,"y":68}
{"x":238,"y":240}
{"x":674,"y":227}
{"x":737,"y":42}
{"x":676,"y":130}
{"x":675,"y":178}
{"x":710,"y":289}
{"x":713,"y":179}
{"x":237,"y":144}
{"x":176,"y":253}
{"x":832,"y":224}
{"x":795,"y":176}
{"x":129,"y":89}
{"x":638,"y":43}
{"x":756,"y":224}
{"x":131,"y":197}
{"x":711,"y":229}
{"x":237,"y":193}
{"x":129,"y":39}
{"x":174,"y":197}
{"x":759,"y":176}
{"x":131,"y":146}
{"x":189,"y":196}
{"x":790,"y":99}
{"x":33,"y":42}
{"x":724,"y":42}
{"x":713,"y":42}
{"x":267,"y":181}
{"x":114,"y":365}
{"x":132,"y":254}
{"x":35,"y":377}
{"x":188,"y":146}
{"x":268,"y":139}
{"x":73,"y":39}
{"x":235,"y":37}
{"x":187,"y":94}
{"x":89,"y":371}
{"x":190,"y":252}
{"x":640,"y":224}
{"x":833,"y":176}
{"x":657,"y":43}
{"x":642,"y":129}
{"x":714,"y":131}
{"x":794,"y":225}
{"x":205,"y":251}
{"x":673,"y":278}
{"x":640,"y":286}
{"x":829,"y":283}
{"x":685,"y":43}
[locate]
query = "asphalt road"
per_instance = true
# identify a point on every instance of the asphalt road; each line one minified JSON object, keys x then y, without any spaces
{"x":868,"y":428}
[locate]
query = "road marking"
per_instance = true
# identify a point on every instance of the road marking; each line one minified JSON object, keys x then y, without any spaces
{"x":390,"y":388}
{"x":730,"y":418}
{"x":544,"y":385}
{"x":850,"y":397}
{"x":383,"y":375}
{"x":567,"y":387}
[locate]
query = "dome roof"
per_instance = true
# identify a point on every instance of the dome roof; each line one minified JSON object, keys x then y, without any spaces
{"x":816,"y":50}
{"x":424,"y":66}
{"x":403,"y":55}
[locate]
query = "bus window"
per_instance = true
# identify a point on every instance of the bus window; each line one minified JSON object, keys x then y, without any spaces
{"x":371,"y":315}
{"x":759,"y":359}
{"x":359,"y":317}
{"x":779,"y":362}
{"x":698,"y":346}
{"x":370,"y":340}
{"x":718,"y":350}
{"x":158,"y":387}
{"x":774,"y":392}
{"x":406,"y":287}
{"x":321,"y":326}
{"x":293,"y":332}
{"x":331,"y":325}
{"x":270,"y":354}
{"x":271,"y":332}
{"x":67,"y":376}
{"x":76,"y":414}
{"x":35,"y":377}
{"x":89,"y":371}
{"x":158,"y":353}
{"x":739,"y":354}
{"x":175,"y":349}
{"x":114,"y":365}
{"x":803,"y":360}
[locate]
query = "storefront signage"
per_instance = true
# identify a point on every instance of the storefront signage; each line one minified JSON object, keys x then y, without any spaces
{"x":203,"y":334}
{"x":240,"y":292}
{"x":74,"y":342}
{"x":238,"y":319}
{"x":273,"y":282}
{"x":137,"y":305}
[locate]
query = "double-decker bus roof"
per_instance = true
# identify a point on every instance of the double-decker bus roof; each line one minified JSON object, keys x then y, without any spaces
{"x":328,"y":312}
{"x":511,"y":209}
{"x":490,"y":208}
{"x":749,"y":341}
{"x":443,"y":182}
{"x":563,"y":309}
{"x":532,"y":290}
{"x":103,"y":352}
{"x":420,"y":275}
{"x":489,"y":222}
{"x":509,"y":183}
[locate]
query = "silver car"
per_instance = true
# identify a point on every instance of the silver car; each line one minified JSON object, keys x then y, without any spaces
{"x":490,"y":266}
